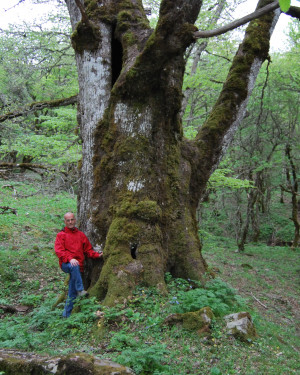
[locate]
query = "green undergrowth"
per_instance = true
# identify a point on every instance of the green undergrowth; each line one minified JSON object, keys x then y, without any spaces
{"x":134,"y":333}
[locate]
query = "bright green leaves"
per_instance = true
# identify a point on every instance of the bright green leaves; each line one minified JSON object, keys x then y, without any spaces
{"x":219,"y":179}
{"x":49,"y":139}
{"x":285,"y":5}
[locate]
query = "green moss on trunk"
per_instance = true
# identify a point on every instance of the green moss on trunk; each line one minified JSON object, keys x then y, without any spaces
{"x":85,"y":37}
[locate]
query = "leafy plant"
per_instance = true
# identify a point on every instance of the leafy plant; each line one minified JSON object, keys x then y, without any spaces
{"x":215,"y":371}
{"x":191,"y":296}
{"x":145,"y":359}
{"x":221,"y":178}
{"x":122,"y":340}
{"x":32,"y":300}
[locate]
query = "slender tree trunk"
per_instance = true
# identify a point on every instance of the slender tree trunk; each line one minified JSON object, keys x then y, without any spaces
{"x":258,"y":203}
{"x":255,"y":224}
{"x":281,"y":195}
{"x":238,"y":222}
{"x":292,"y":182}
{"x":252,"y":198}
{"x":141,"y":181}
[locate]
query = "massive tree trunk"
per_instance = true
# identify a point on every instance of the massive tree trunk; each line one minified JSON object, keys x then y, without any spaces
{"x":141,"y":181}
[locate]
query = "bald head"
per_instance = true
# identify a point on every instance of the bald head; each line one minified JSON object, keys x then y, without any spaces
{"x":70,"y":220}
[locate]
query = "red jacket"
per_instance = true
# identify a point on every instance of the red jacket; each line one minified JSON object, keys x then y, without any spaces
{"x":72,"y":243}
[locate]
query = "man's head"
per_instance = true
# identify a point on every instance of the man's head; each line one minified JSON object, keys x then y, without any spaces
{"x":70,"y":220}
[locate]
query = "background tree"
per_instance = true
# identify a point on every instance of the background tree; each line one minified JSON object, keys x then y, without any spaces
{"x":258,"y":153}
{"x":37,"y":64}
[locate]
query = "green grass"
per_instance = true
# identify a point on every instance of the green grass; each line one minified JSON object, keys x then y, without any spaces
{"x":264,"y":281}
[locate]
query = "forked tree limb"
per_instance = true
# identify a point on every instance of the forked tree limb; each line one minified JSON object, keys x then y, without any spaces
{"x":37,"y":106}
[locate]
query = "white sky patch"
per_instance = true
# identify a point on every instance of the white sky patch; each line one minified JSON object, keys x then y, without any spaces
{"x":11,"y":13}
{"x":279,"y":38}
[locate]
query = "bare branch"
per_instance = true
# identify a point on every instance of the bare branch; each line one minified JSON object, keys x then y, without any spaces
{"x":29,"y":166}
{"x":242,"y":21}
{"x":257,"y":300}
{"x":5,"y":210}
{"x":217,"y":55}
{"x":12,"y":7}
{"x":38,"y":106}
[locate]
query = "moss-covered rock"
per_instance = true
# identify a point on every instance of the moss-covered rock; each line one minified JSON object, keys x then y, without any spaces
{"x":192,"y":321}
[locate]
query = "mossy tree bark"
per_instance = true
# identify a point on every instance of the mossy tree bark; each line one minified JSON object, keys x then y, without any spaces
{"x":141,"y":181}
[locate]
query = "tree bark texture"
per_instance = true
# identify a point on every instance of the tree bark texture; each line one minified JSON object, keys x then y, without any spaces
{"x":141,"y":181}
{"x":92,"y":43}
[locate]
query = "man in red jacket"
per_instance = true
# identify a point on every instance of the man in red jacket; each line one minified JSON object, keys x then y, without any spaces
{"x":71,"y":246}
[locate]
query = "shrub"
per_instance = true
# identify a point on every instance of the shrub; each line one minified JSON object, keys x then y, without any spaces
{"x":190,"y":296}
{"x":145,"y":359}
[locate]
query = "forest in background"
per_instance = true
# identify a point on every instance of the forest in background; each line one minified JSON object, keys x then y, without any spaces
{"x":253,"y":195}
{"x":252,"y":198}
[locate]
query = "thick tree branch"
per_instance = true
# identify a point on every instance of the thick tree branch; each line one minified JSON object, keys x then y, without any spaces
{"x":294,"y":12}
{"x":138,"y":25}
{"x":242,"y":21}
{"x":38,"y":106}
{"x":216,"y":134}
{"x":173,"y":34}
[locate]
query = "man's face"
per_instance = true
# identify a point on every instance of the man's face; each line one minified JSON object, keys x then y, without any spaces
{"x":70,"y":221}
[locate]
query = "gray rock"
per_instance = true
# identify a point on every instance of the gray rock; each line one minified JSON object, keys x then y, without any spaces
{"x":240,"y":326}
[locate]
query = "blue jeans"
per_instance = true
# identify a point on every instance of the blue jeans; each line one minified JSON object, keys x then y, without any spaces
{"x":75,"y":285}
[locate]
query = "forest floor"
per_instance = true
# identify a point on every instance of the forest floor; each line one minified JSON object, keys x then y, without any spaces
{"x":263,"y":280}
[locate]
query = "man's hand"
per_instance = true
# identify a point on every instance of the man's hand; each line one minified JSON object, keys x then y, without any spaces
{"x":74,"y":262}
